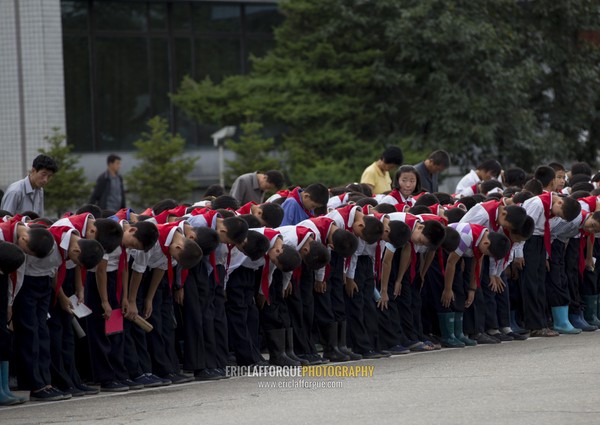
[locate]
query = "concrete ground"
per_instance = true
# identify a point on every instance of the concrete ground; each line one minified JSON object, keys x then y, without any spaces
{"x":539,"y":381}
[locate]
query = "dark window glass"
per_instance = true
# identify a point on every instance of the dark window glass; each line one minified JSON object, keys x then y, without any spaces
{"x":181,"y":13}
{"x":216,"y":18}
{"x":123,"y":15}
{"x":159,"y":72}
{"x":74,"y":14}
{"x":77,"y":93}
{"x":157,"y":14}
{"x":262,"y":18}
{"x":123,"y":95}
{"x":217,"y":58}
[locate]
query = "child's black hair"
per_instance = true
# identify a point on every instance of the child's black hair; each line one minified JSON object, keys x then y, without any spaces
{"x":427,"y":199}
{"x":545,"y":174}
{"x":577,"y":178}
{"x":491,"y":165}
{"x":579,"y":194}
{"x":94,"y":210}
{"x":109,"y":233}
{"x":488,"y":185}
{"x":399,"y":233}
{"x":499,"y":245}
{"x":434,"y":232}
{"x":11,"y":257}
{"x":515,"y":177}
{"x":581,"y":168}
{"x":40,"y":242}
{"x":570,"y":209}
{"x":207,"y":239}
{"x":317,"y":257}
{"x":146,"y":233}
{"x":585,"y":186}
{"x":237,"y":229}
{"x":253,"y":222}
{"x":225,"y":202}
{"x":344,"y":242}
{"x":190,"y":255}
{"x":214,"y":191}
{"x":467,"y":201}
{"x":526,"y":229}
{"x":515,"y":215}
{"x":319,"y":193}
{"x":451,"y":240}
{"x":91,"y":253}
{"x":165,"y":204}
{"x":288,"y":260}
{"x":443,"y":198}
{"x":522,"y":196}
{"x":419,"y":209}
{"x":256,"y":245}
{"x":385,"y":208}
{"x":454,"y":215}
{"x":373,"y":230}
{"x":534,"y":186}
{"x":367,"y":201}
{"x":272,"y":214}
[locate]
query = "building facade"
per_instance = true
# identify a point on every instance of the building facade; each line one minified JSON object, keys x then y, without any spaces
{"x":99,"y":69}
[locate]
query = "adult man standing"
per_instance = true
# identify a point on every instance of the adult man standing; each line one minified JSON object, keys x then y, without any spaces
{"x":251,"y":187}
{"x":377,"y":175}
{"x":28,"y":194}
{"x":108,"y":193}
{"x":430,"y":169}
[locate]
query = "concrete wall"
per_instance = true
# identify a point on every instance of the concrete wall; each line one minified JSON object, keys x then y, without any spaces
{"x":31,"y":82}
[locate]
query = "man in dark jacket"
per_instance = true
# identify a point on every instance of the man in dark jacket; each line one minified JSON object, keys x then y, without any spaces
{"x":109,"y":193}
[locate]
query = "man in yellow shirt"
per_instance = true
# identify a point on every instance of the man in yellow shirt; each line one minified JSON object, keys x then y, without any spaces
{"x":377,"y":175}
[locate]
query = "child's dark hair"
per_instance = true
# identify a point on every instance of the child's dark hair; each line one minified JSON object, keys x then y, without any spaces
{"x":451,"y":240}
{"x":190,"y":255}
{"x":373,"y":230}
{"x":545,"y":174}
{"x":214,"y":191}
{"x":407,"y":169}
{"x":443,"y":198}
{"x":522,"y":196}
{"x":317,"y":257}
{"x":510,"y":191}
{"x":226,"y":213}
{"x":515,"y":215}
{"x":488,"y":185}
{"x":109,"y":233}
{"x":585,"y":186}
{"x":399,"y":233}
{"x":225,"y":202}
{"x":534,"y":186}
{"x":44,"y":162}
{"x":579,"y":194}
{"x":288,"y":260}
{"x":427,"y":199}
{"x":256,"y":245}
{"x":11,"y":257}
{"x":276,"y":178}
{"x":467,"y":201}
{"x":454,"y":215}
{"x":479,"y":198}
{"x":31,"y":214}
{"x":570,"y":209}
{"x":4,"y":212}
{"x":237,"y":229}
{"x":557,"y":166}
{"x":385,"y":208}
{"x":526,"y":229}
{"x":576,"y":178}
{"x":146,"y":233}
{"x":253,"y":222}
{"x":344,"y":242}
{"x":419,"y":209}
{"x":165,"y":204}
{"x":392,"y":155}
{"x":366,"y":189}
{"x":434,"y":232}
{"x":90,"y":208}
{"x":515,"y":177}
{"x":491,"y":165}
{"x":272,"y":214}
{"x":91,"y":253}
{"x":207,"y":239}
{"x":40,"y":242}
{"x":581,"y":168}
{"x":319,"y":194}
{"x":499,"y":245}
{"x":367,"y":201}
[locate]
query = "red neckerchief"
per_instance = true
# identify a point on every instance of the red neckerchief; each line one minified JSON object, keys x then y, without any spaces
{"x":474,"y":188}
{"x":148,"y":212}
{"x":163,"y":234}
{"x":583,"y":238}
{"x":435,"y":209}
{"x":440,"y":257}
{"x":477,"y":230}
{"x":434,"y":217}
{"x":302,"y":235}
{"x":246,"y":208}
{"x":398,"y":197}
{"x":491,"y":207}
{"x":546,"y":199}
{"x":124,"y":213}
{"x":57,"y":232}
{"x":323,"y":225}
{"x":591,"y":201}
{"x":401,"y":207}
{"x":8,"y":229}
{"x":283,"y":193}
{"x":295,"y":194}
{"x":199,"y":211}
{"x":79,"y":222}
{"x":67,"y":214}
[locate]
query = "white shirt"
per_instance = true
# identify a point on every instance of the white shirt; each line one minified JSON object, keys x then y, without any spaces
{"x":466,"y":183}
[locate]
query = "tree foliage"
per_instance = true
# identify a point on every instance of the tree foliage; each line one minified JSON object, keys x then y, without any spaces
{"x":163,"y":168}
{"x":68,"y":188}
{"x":253,"y":152}
{"x":504,"y":78}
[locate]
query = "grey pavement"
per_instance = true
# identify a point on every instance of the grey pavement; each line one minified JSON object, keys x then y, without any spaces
{"x":539,"y":381}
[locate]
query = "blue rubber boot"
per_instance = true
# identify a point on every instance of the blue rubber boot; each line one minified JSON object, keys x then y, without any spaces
{"x":447,"y":328}
{"x":6,"y":398}
{"x":458,"y":330}
{"x":514,"y":325}
{"x":560,"y":317}
{"x":578,"y":321}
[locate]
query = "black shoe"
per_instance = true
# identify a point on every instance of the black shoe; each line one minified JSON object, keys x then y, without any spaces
{"x":347,"y":351}
{"x":88,"y":390}
{"x":74,"y":391}
{"x":48,"y":394}
{"x":384,"y":353}
{"x":517,"y":337}
{"x":132,"y":384}
{"x":502,"y":337}
{"x":113,"y":387}
{"x":147,"y":381}
{"x":484,"y":338}
{"x":206,"y":375}
{"x":398,"y":349}
{"x":163,"y":381}
{"x":177,"y":378}
{"x":371,"y":354}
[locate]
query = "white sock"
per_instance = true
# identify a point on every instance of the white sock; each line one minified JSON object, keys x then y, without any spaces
{"x":493,"y":331}
{"x":507,"y":330}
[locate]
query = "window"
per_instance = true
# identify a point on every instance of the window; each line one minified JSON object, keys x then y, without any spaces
{"x":123,"y":58}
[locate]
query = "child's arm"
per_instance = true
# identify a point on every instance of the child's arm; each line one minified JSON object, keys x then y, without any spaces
{"x":134,"y":285}
{"x":102,"y":291}
{"x":157,"y":275}
{"x":386,"y":265}
{"x":78,"y":285}
{"x":402,"y":268}
{"x":428,"y":258}
{"x":125,"y":293}
{"x":473,"y":282}
{"x":450,"y":270}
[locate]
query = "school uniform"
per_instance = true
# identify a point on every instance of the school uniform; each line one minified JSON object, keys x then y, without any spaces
{"x":398,"y":200}
{"x":293,"y":209}
{"x":467,"y":183}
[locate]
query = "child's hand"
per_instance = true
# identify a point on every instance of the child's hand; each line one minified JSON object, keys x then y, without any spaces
{"x":320,"y":287}
{"x":287,"y":291}
{"x":470,"y":298}
{"x":497,"y":284}
{"x":147,"y":308}
{"x":133,"y":310}
{"x":260,"y":301}
{"x":382,"y":304}
{"x":351,"y":287}
{"x":125,"y":306}
{"x":80,"y":297}
{"x":447,"y":297}
{"x":66,"y":305}
{"x":397,"y":288}
{"x":178,"y":296}
{"x":107,"y":310}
